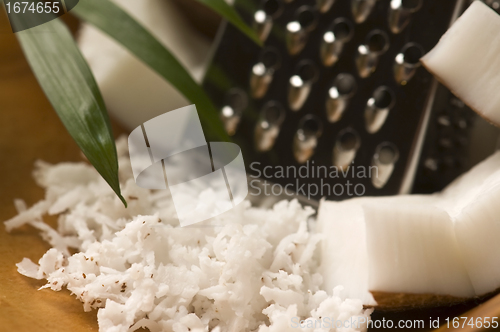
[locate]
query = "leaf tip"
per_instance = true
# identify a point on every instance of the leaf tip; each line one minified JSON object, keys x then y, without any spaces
{"x":122,"y":199}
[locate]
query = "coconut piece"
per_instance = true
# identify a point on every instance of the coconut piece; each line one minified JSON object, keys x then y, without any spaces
{"x":413,"y":250}
{"x":477,"y":228}
{"x":343,"y":250}
{"x":466,"y":60}
{"x":417,"y":250}
{"x":469,"y":186}
{"x":344,"y":253}
{"x":472,"y":203}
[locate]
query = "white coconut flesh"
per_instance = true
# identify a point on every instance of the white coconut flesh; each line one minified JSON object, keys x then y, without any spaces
{"x":444,"y":245}
{"x":466,"y":60}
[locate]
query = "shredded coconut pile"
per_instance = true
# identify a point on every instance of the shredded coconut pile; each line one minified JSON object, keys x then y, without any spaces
{"x":255,"y":270}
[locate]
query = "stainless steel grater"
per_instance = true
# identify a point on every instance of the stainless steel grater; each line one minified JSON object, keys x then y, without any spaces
{"x":338,"y":83}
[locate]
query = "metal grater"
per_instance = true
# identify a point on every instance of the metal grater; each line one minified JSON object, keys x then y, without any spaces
{"x":338,"y":83}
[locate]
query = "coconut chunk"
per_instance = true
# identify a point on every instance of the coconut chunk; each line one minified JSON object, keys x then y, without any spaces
{"x":344,"y":256}
{"x":469,"y":185}
{"x":344,"y":253}
{"x":477,"y":228}
{"x":416,"y":250}
{"x":413,"y":250}
{"x":466,"y":60}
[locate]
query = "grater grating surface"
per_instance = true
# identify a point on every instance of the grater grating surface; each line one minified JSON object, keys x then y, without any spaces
{"x":331,"y":89}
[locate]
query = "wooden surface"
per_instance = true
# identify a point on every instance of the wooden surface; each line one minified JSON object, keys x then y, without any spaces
{"x":30,"y":130}
{"x":485,"y":312}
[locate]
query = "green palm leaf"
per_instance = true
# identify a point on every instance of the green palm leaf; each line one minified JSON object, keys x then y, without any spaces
{"x":70,"y":87}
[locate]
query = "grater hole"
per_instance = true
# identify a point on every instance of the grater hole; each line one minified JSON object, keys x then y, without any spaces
{"x":407,"y":62}
{"x":263,"y":71}
{"x":412,"y":53}
{"x":307,"y":71}
{"x":324,"y":5}
{"x":334,"y":39}
{"x":300,"y":84}
{"x":361,"y":9}
{"x":348,"y":140}
{"x":297,"y":31}
{"x":345,"y":84}
{"x":383,"y":98}
{"x":342,"y":29}
{"x":306,"y":16}
{"x":263,"y":18}
{"x":378,"y":107}
{"x":270,"y":58}
{"x":272,"y":115}
{"x":236,"y":102}
{"x":387,"y":153}
{"x":271,"y":7}
{"x":385,"y":157}
{"x":400,"y":13}
{"x":237,"y":99}
{"x":346,"y":147}
{"x":378,"y":42}
{"x":268,"y":126}
{"x":306,"y":138}
{"x":309,"y":126}
{"x":411,"y":4}
{"x":343,"y":88}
